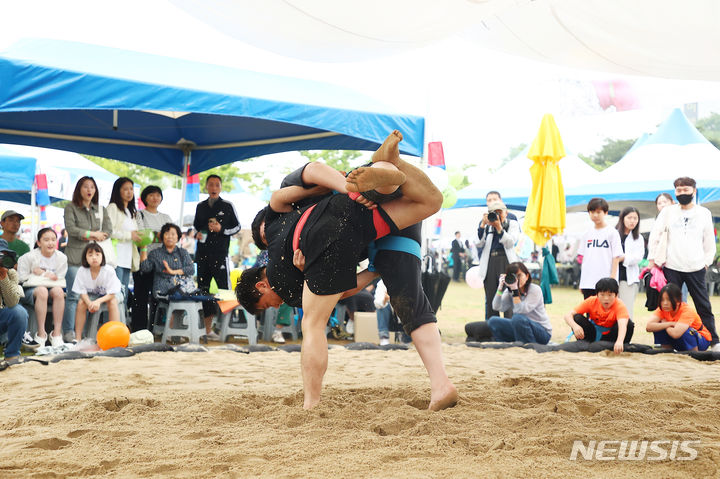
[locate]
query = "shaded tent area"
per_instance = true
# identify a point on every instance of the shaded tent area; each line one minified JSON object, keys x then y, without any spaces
{"x":514,"y":182}
{"x":179,"y":116}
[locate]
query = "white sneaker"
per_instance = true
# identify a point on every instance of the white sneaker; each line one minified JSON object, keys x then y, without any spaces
{"x":56,"y":341}
{"x":40,"y":340}
{"x":715,"y":348}
{"x":212,"y":336}
{"x":384,"y":341}
{"x":277,"y":337}
{"x":28,"y":343}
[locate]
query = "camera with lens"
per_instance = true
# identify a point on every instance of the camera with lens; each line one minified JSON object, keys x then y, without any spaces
{"x":510,"y":278}
{"x":8,"y":259}
{"x":492,"y":217}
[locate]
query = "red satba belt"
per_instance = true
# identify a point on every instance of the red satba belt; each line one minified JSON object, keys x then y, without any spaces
{"x":299,"y":226}
{"x":381,"y":226}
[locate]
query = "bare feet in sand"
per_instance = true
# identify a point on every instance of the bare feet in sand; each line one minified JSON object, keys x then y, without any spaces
{"x":448,"y":397}
{"x":366,"y":179}
{"x":389,"y":151}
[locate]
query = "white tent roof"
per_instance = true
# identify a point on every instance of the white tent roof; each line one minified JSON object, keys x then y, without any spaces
{"x":516,"y":173}
{"x":661,"y":38}
{"x":514,"y":183}
{"x":675,"y":149}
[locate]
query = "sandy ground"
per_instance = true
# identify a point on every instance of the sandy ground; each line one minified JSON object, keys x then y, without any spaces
{"x":227,"y":414}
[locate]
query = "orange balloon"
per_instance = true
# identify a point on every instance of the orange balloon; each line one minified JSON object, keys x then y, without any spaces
{"x":113,"y":334}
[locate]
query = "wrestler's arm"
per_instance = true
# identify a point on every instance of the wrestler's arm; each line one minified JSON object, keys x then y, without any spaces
{"x":364,"y":278}
{"x":282,"y":200}
{"x":320,"y":174}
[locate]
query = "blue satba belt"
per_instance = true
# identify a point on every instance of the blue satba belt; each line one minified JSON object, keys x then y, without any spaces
{"x":392,"y":243}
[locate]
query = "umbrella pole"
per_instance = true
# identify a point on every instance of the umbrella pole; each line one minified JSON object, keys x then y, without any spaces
{"x":186,"y":167}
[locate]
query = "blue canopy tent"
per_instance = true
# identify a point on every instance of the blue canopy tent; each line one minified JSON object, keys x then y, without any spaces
{"x":172,"y":114}
{"x":17,"y":176}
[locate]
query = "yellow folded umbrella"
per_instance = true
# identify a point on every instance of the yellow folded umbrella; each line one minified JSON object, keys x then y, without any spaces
{"x":545,"y":213}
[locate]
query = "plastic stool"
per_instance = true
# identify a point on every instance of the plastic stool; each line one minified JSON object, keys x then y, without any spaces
{"x":228,"y":327}
{"x":93,"y":321}
{"x":269,"y":317}
{"x":195,"y":327}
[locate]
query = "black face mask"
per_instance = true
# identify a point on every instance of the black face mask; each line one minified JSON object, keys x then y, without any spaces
{"x":684,"y":199}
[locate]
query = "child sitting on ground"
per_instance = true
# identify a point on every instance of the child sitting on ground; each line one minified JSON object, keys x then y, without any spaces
{"x":676,"y":325}
{"x":96,"y":283}
{"x":608,"y":318}
{"x":42,"y":274}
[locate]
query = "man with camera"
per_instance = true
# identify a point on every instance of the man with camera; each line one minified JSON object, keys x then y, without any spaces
{"x":497,"y":234}
{"x":13,"y":317}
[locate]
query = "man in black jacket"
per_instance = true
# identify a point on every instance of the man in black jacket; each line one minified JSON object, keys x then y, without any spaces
{"x":458,"y":256}
{"x":216,"y":222}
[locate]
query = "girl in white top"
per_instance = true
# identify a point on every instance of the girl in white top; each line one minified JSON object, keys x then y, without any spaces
{"x":122,"y":213}
{"x":633,"y":252}
{"x":96,"y":283}
{"x":42,"y":273}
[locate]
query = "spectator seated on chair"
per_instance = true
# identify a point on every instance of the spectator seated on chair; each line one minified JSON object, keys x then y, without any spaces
{"x":170,"y":264}
{"x":608,"y":318}
{"x":42,"y":274}
{"x":13,"y":317}
{"x":96,"y":283}
{"x":676,"y":325}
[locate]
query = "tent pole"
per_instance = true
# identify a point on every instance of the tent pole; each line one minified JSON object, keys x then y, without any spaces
{"x":33,"y":227}
{"x":186,"y":166}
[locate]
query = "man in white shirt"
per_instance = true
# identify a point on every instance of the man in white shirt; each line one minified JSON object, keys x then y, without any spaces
{"x":689,"y":249}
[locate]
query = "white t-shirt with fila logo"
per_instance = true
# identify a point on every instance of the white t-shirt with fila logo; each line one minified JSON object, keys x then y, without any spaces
{"x":598,"y":247}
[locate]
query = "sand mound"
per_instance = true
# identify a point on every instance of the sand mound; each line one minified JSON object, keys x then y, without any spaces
{"x":234,"y":415}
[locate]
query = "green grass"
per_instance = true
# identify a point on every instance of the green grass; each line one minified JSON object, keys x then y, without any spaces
{"x":463,"y":304}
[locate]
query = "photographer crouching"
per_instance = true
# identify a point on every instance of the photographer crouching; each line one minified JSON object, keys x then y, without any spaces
{"x":498,"y":235}
{"x":13,"y":317}
{"x":529,"y":322}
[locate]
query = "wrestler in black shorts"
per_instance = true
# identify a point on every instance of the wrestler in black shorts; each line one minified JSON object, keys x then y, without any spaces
{"x":400,"y":271}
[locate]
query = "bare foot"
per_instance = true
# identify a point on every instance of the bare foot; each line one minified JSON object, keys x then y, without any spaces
{"x":310,"y":403}
{"x":448,"y":397}
{"x":366,"y":179}
{"x":389,"y":151}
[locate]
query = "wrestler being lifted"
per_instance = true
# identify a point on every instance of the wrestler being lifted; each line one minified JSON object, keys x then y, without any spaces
{"x":333,"y":235}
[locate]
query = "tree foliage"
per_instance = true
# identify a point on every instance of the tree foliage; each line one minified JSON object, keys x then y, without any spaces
{"x":342,"y":160}
{"x":710,"y":128}
{"x":609,"y":154}
{"x":512,"y":154}
{"x":144,"y":176}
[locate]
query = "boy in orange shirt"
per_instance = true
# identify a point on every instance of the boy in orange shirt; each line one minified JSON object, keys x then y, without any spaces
{"x":676,"y":325}
{"x":607,"y":317}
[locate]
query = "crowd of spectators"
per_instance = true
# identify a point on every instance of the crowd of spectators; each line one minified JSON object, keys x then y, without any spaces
{"x":97,"y":240}
{"x":606,"y":267}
